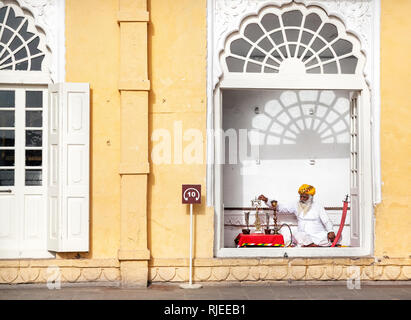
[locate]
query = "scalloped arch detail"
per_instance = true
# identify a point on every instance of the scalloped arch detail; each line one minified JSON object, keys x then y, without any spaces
{"x":292,"y":39}
{"x":22,"y":43}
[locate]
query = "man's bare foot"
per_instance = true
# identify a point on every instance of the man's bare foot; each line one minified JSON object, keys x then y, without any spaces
{"x":310,"y":245}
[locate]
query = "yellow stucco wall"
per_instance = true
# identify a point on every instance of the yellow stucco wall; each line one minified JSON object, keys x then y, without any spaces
{"x":177,"y":63}
{"x":177,"y":70}
{"x":92,"y":55}
{"x":393,"y":216}
{"x":178,"y":93}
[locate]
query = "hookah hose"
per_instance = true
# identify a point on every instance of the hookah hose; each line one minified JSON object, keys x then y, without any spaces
{"x":291,"y":234}
{"x":344,"y":215}
{"x":284,"y":224}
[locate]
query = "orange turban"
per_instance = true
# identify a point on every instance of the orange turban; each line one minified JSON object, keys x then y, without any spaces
{"x":306,"y":189}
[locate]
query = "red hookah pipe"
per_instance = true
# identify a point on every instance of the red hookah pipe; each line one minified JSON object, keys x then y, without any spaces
{"x":344,"y":215}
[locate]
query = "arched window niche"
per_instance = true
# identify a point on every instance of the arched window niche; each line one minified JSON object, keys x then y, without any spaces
{"x":293,"y":88}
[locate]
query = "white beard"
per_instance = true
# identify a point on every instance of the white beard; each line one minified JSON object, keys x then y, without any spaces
{"x":304,"y":207}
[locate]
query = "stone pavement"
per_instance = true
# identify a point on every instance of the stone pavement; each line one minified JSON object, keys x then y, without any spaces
{"x":213,"y":291}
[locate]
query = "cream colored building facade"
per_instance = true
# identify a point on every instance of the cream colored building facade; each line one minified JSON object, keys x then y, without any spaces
{"x":155,"y":65}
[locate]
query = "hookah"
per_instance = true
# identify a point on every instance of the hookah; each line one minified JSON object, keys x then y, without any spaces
{"x":247,"y":222}
{"x":277,"y":227}
{"x":256,"y":204}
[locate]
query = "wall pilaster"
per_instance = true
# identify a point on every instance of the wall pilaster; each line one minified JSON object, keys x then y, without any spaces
{"x":134,"y":168}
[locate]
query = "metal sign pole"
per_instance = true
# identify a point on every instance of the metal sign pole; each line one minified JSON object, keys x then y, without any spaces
{"x":190,"y":285}
{"x":191,"y":244}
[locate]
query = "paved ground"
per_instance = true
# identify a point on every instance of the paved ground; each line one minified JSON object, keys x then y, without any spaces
{"x":249,"y":291}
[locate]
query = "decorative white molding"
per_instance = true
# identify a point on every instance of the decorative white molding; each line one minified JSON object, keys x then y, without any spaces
{"x":357,"y":15}
{"x":49,"y":16}
{"x":360,"y":17}
{"x":231,"y":58}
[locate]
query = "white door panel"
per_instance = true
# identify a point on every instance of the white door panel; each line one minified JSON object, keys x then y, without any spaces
{"x":34,"y":223}
{"x":23,"y":209}
{"x":7,"y":219}
{"x":33,"y":207}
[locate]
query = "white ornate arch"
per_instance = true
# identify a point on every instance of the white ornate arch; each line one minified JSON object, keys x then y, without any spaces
{"x":360,"y":18}
{"x":280,"y":42}
{"x":48,"y":16}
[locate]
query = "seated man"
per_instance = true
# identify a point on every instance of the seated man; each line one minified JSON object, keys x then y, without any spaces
{"x":315,"y":228}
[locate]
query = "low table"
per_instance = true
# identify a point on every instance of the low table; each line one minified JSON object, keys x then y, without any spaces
{"x":259,"y":240}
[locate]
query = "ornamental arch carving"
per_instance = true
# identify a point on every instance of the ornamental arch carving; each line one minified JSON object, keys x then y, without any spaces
{"x":22,"y":44}
{"x":293,"y":38}
{"x":360,"y":19}
{"x":32,"y":36}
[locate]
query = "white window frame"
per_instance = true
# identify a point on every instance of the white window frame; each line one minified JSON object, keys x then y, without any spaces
{"x":50,"y":17}
{"x":354,"y":83}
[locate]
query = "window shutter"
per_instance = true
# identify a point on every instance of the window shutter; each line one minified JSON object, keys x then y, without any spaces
{"x":68,"y":174}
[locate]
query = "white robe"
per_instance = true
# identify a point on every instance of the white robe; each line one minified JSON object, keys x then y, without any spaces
{"x":313,"y":227}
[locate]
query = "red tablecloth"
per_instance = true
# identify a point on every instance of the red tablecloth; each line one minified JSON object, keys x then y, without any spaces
{"x":259,"y":240}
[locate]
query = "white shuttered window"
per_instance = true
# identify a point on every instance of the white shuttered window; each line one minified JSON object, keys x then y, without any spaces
{"x":68,"y":183}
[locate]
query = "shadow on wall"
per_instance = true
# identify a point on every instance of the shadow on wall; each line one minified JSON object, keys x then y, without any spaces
{"x":289,"y":124}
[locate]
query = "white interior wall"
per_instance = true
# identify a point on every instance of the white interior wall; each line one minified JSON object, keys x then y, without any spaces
{"x":303,"y":138}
